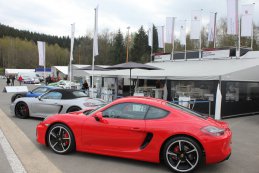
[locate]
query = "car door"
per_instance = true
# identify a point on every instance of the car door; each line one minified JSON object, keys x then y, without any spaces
{"x":48,"y":104}
{"x":122,"y":128}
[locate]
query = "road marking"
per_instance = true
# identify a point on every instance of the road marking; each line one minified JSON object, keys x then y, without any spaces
{"x":31,"y":157}
{"x":12,"y":158}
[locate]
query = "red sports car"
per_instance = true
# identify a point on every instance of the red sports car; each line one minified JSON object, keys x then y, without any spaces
{"x":140,"y":128}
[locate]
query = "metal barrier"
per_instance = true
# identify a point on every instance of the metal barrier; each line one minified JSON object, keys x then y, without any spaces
{"x":193,"y":102}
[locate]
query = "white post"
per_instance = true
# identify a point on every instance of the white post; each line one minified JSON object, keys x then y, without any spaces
{"x":200,"y":36}
{"x":239,"y":31}
{"x":173,"y":38}
{"x":215,"y":29}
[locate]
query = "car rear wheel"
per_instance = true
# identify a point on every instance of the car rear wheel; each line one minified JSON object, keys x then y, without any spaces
{"x":73,"y":109}
{"x":61,"y":139}
{"x":182,"y":154}
{"x":22,"y":110}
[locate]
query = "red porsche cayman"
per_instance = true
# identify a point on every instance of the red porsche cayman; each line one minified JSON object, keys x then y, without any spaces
{"x":140,"y":128}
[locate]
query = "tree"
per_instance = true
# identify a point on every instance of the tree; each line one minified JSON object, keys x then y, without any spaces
{"x":118,"y":50}
{"x":140,"y":51}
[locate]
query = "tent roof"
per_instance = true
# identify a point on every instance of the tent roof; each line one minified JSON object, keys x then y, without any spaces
{"x":243,"y":69}
{"x":62,"y":69}
{"x":16,"y":71}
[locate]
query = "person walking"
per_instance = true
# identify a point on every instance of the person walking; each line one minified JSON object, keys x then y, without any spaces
{"x":20,"y":80}
{"x":8,"y":81}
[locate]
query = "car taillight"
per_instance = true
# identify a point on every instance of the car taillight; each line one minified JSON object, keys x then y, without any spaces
{"x":212,"y":130}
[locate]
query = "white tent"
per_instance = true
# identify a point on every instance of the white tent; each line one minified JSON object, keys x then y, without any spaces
{"x":245,"y":69}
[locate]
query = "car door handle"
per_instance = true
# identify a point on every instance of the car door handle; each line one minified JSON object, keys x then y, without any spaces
{"x":136,"y":129}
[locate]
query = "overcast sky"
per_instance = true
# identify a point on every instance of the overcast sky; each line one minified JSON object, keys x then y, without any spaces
{"x":55,"y":16}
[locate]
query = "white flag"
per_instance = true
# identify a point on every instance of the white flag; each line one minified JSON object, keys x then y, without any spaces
{"x":72,"y":41}
{"x":183,"y":33}
{"x":41,"y":49}
{"x":150,"y":35}
{"x":211,"y":27}
{"x":232,"y":19}
{"x":170,"y":29}
{"x":196,"y":25}
{"x":160,"y":33}
{"x":95,"y":40}
{"x":247,"y":20}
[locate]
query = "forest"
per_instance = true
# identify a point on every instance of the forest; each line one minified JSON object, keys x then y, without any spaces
{"x":18,"y":48}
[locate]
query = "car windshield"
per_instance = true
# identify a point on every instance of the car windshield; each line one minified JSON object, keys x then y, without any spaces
{"x":88,"y":112}
{"x":187,"y":110}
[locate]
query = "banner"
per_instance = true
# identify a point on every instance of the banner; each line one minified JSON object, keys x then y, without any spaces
{"x":196,"y":25}
{"x":160,"y":33}
{"x":212,"y":27}
{"x":183,"y":33}
{"x":170,"y":29}
{"x":150,"y":35}
{"x":41,"y":49}
{"x":232,"y":17}
{"x":247,"y":20}
{"x":72,"y":41}
{"x":95,"y":40}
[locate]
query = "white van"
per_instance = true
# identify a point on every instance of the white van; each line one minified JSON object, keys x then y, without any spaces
{"x":30,"y":77}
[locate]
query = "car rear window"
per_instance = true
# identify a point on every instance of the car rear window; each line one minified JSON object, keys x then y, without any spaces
{"x":79,"y":94}
{"x":185,"y":109}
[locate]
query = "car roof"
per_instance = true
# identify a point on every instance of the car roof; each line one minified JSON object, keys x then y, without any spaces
{"x":66,"y":93}
{"x":148,"y":100}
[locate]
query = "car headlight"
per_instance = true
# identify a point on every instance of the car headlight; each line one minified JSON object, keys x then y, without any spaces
{"x":212,"y":130}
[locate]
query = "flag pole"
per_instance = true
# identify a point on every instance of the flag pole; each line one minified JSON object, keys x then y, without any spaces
{"x":44,"y":64}
{"x":163,"y":39}
{"x":151,"y":43}
{"x":172,"y":38}
{"x":95,"y":47}
{"x":215,"y":29}
{"x":185,"y":58}
{"x":252,"y":34}
{"x":239,"y":30}
{"x":71,"y":52}
{"x":200,"y":35}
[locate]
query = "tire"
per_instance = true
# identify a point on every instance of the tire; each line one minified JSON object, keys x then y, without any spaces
{"x":60,"y":139}
{"x":73,"y":109}
{"x":182,"y":154}
{"x":22,"y":110}
{"x":16,"y":97}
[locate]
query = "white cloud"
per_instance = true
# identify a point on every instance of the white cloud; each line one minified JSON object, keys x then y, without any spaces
{"x":54,"y":17}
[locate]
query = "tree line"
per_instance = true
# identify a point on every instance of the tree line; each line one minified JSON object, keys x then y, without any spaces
{"x":18,"y":48}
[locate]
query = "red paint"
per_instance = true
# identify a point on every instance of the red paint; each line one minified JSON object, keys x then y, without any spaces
{"x":123,"y":137}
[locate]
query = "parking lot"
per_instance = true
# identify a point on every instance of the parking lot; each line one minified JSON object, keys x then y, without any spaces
{"x":37,"y":158}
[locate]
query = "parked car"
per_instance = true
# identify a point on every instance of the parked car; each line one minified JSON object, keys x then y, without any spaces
{"x":34,"y":93}
{"x":53,"y":102}
{"x":65,"y":84}
{"x":31,"y":80}
{"x":141,"y":128}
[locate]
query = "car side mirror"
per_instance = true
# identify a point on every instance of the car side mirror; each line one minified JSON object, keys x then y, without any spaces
{"x":99,"y":117}
{"x":39,"y":97}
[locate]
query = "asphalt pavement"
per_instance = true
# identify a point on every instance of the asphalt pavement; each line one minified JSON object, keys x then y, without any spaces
{"x":37,"y":158}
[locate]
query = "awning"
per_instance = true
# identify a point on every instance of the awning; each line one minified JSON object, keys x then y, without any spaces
{"x":62,"y":69}
{"x":243,"y":69}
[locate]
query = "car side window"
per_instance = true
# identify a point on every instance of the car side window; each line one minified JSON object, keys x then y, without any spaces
{"x":52,"y":95}
{"x":126,"y":111}
{"x":156,"y":113}
{"x":40,"y":90}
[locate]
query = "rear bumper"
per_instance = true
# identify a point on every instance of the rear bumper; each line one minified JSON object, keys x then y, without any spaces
{"x":219,"y":149}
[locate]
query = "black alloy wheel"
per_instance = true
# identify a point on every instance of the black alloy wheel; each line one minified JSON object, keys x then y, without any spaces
{"x":60,"y":139}
{"x":182,"y":154}
{"x":22,"y":110}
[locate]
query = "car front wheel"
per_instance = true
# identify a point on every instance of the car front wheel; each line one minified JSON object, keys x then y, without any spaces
{"x":60,"y":139}
{"x":182,"y":154}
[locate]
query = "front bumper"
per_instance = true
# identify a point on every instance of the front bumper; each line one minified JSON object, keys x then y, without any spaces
{"x":41,"y":133}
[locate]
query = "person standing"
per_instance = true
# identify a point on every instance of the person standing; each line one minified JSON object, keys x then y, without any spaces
{"x":12,"y":78}
{"x":20,"y":80}
{"x":8,"y":81}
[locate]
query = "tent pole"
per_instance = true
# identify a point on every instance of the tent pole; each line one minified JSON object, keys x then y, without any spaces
{"x":130,"y":82}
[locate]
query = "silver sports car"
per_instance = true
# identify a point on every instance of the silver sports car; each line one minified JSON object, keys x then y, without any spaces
{"x":53,"y":102}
